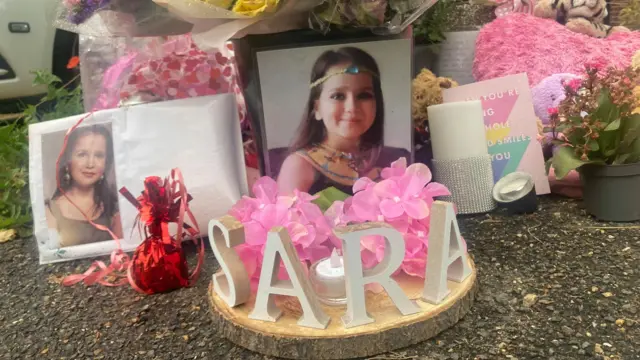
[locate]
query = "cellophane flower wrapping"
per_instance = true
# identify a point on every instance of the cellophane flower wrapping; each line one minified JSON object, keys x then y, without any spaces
{"x":118,"y":18}
{"x":216,"y":21}
{"x":402,"y":198}
{"x":122,"y":71}
{"x":384,"y":17}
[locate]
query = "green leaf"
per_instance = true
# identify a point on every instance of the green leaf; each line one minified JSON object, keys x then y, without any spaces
{"x":328,"y":196}
{"x":614,"y":125}
{"x":547,"y":166}
{"x":620,"y":159}
{"x":593,"y":145}
{"x":564,"y":160}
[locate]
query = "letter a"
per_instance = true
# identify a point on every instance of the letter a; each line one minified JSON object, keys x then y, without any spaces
{"x":447,"y":257}
{"x":356,"y":278}
{"x":232,"y":282}
{"x":279,"y":247}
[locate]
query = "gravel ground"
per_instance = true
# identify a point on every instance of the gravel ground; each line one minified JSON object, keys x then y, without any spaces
{"x":553,"y":285}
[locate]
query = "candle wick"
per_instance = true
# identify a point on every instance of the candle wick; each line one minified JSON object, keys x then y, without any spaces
{"x":334,"y":261}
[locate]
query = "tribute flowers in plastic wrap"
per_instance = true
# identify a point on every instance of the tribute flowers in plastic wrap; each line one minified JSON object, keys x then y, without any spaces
{"x":81,"y":10}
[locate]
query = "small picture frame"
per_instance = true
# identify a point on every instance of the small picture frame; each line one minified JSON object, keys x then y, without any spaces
{"x":85,"y":178}
{"x":327,"y":110}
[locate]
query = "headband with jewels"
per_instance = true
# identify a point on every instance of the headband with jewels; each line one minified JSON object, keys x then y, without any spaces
{"x":353,"y":70}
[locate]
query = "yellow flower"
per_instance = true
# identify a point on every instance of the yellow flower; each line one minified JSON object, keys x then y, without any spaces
{"x":249,"y":8}
{"x":254,"y":7}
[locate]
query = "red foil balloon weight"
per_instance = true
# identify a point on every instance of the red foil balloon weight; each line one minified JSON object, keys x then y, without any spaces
{"x":159,"y":264}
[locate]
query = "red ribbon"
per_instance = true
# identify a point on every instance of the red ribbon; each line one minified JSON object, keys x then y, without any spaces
{"x":120,"y":266}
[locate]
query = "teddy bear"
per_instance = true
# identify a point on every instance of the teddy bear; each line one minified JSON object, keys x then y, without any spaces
{"x":581,"y":16}
{"x":549,"y":93}
{"x":426,"y":91}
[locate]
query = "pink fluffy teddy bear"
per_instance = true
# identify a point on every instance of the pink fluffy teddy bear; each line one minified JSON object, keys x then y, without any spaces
{"x":548,"y":94}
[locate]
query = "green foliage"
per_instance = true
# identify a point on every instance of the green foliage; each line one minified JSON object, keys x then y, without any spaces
{"x":59,"y":102}
{"x":328,"y":196}
{"x":431,"y":26}
{"x":630,"y":15}
{"x":607,"y":133}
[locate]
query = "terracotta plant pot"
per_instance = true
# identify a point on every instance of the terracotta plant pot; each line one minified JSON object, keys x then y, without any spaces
{"x":612,"y":192}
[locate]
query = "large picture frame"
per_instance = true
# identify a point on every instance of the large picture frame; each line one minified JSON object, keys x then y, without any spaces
{"x":287,"y":79}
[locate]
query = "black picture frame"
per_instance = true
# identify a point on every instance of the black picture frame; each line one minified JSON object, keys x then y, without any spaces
{"x":247,"y":48}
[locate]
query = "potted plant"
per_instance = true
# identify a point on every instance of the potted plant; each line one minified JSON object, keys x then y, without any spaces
{"x":596,"y":132}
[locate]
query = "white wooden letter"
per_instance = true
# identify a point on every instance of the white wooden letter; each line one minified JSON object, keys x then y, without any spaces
{"x":279,"y":247}
{"x":447,"y":257}
{"x":356,"y":278}
{"x":232,"y":282}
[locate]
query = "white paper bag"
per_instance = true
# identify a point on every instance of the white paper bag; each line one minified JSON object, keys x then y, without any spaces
{"x":201,"y":136}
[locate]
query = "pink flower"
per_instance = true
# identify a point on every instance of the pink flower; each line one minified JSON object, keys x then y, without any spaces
{"x":596,"y":64}
{"x":363,"y":183}
{"x":402,"y":199}
{"x":265,"y":191}
{"x":243,"y":209}
{"x":402,"y":196}
{"x":371,"y":250}
{"x":574,"y":84}
{"x":306,"y":225}
{"x":365,"y":206}
{"x":433,"y":190}
{"x":397,"y":168}
{"x":416,"y":266}
{"x":552,"y":111}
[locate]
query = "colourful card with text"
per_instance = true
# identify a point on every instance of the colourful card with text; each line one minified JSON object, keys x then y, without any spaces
{"x":510,"y":124}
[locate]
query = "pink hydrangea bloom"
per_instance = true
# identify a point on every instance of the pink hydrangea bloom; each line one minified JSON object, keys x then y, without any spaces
{"x":402,"y":199}
{"x":307,"y":226}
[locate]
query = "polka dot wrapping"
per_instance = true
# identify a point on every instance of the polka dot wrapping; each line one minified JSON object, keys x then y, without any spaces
{"x":185,"y":72}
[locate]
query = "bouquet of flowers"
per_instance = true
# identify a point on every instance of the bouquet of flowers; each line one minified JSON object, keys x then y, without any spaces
{"x":122,"y":18}
{"x":599,"y":121}
{"x":81,"y":10}
{"x":384,"y":16}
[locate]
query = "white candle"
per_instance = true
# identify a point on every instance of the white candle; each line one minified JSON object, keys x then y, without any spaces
{"x":457,"y":130}
{"x":327,"y":279}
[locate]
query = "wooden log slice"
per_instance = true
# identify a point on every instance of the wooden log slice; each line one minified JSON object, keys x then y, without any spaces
{"x":390,"y":331}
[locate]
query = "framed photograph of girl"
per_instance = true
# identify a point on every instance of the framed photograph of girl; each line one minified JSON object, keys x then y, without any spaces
{"x":71,"y":197}
{"x":330,"y":111}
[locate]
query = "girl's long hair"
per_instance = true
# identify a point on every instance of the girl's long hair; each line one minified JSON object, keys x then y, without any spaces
{"x":312,"y":131}
{"x":103,"y":197}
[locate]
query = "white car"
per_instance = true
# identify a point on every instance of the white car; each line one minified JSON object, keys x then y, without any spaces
{"x":29,"y":41}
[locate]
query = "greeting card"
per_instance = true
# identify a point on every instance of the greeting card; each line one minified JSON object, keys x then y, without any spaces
{"x":510,"y":126}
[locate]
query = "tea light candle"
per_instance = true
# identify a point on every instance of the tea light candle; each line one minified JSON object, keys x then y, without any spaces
{"x":327,"y":279}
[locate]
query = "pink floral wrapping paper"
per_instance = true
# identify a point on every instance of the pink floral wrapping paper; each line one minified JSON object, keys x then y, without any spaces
{"x":162,"y":69}
{"x":183,"y":71}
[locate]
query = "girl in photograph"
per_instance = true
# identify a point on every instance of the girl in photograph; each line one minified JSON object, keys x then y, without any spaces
{"x":84,"y":166}
{"x":341,"y":136}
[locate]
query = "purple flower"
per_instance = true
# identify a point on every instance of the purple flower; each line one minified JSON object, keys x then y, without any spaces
{"x":84,"y":9}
